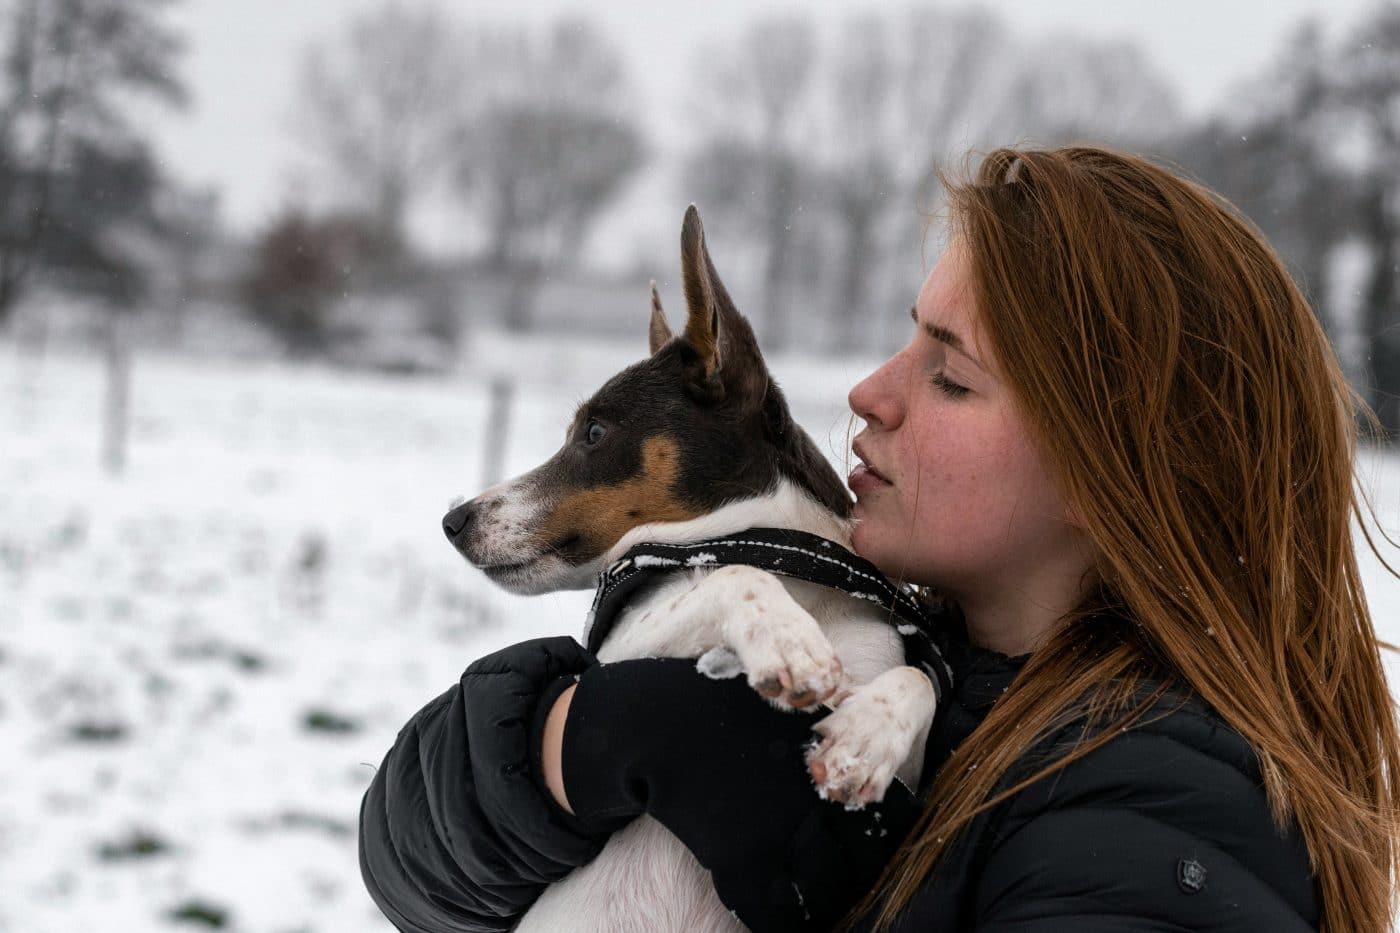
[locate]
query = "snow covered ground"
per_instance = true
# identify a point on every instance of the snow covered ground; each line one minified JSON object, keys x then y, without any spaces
{"x":202,"y":661}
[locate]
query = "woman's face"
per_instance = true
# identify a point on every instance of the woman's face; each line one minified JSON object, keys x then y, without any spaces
{"x":950,"y":492}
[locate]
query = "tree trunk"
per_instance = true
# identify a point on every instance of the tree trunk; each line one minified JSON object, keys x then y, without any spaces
{"x":853,"y":330}
{"x":498,"y":418}
{"x":1381,"y":320}
{"x":781,"y":207}
{"x":503,"y":227}
{"x":523,"y":280}
{"x":390,"y":206}
{"x":9,"y":284}
{"x":116,"y":422}
{"x":1314,"y":269}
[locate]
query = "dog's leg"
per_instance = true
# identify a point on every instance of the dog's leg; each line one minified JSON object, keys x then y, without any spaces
{"x":786,"y":655}
{"x":879,"y":727}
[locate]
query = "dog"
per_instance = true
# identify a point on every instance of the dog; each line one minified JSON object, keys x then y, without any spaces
{"x":694,"y":442}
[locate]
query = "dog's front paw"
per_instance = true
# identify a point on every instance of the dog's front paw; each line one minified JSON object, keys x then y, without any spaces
{"x":786,"y":655}
{"x":797,"y":675}
{"x":788,"y":658}
{"x":864,"y":742}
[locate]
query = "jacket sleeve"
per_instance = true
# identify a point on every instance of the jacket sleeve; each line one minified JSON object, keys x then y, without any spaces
{"x":724,"y":771}
{"x":1153,"y":831}
{"x":457,"y":833}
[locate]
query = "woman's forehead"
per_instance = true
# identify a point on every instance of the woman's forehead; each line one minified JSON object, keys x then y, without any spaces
{"x":946,"y":310}
{"x":946,"y":295}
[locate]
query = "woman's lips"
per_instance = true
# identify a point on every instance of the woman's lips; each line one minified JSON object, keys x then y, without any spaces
{"x":864,"y":476}
{"x":864,"y":479}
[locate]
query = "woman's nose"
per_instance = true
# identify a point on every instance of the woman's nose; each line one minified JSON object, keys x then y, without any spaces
{"x":873,"y":399}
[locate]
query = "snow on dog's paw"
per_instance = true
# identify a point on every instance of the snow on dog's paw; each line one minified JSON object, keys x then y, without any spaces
{"x":869,"y":736}
{"x":720,"y":664}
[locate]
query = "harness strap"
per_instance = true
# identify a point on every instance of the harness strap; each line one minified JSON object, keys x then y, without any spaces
{"x":788,"y":553}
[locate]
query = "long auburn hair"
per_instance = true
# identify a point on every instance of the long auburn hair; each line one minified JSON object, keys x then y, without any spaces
{"x":1196,"y":418}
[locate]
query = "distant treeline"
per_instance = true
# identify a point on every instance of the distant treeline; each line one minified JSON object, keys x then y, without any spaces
{"x":813,"y":147}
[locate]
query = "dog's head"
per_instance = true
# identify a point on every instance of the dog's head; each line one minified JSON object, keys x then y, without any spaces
{"x":697,"y":425}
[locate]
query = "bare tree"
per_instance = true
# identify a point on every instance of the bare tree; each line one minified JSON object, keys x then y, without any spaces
{"x":750,"y":165}
{"x":905,"y":95}
{"x":69,"y":68}
{"x":1367,"y":95}
{"x":546,"y":145}
{"x":1271,"y":153}
{"x":858,"y":155}
{"x":896,"y":94}
{"x":77,"y":183}
{"x":1070,"y":89}
{"x":954,"y":71}
{"x":1309,"y":151}
{"x":379,"y":106}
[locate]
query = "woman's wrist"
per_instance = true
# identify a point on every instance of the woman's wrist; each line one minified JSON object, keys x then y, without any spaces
{"x":552,"y":750}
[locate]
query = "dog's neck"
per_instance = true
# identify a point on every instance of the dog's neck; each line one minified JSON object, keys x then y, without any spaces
{"x":787,"y":506}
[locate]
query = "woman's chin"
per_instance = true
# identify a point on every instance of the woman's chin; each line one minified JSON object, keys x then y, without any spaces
{"x":866,"y":539}
{"x":868,"y":511}
{"x":890,"y":550}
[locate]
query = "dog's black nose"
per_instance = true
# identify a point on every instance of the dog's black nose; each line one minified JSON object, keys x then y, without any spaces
{"x":458,"y":520}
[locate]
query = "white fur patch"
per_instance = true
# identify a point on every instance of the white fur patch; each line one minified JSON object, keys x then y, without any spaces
{"x":720,"y":663}
{"x":737,"y":620}
{"x":871,"y":734}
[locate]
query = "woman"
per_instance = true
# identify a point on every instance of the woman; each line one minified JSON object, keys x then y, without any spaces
{"x":1118,"y":441}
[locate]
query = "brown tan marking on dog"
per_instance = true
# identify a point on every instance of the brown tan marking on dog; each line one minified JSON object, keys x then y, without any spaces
{"x":602,"y":515}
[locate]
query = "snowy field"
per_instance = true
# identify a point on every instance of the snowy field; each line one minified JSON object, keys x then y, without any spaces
{"x":202,"y":661}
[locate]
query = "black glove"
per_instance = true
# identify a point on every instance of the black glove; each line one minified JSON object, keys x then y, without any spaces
{"x":724,"y":771}
{"x":457,"y":832}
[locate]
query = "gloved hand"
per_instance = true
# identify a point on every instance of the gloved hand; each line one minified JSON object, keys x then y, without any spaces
{"x":457,"y":833}
{"x":723,"y":770}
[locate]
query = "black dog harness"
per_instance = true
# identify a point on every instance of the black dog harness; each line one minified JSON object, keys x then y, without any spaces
{"x":787,"y":553}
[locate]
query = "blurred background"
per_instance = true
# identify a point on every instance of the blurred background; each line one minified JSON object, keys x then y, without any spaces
{"x":278,"y":281}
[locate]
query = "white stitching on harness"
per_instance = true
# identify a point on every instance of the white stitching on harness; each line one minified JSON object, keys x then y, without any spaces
{"x":782,"y":547}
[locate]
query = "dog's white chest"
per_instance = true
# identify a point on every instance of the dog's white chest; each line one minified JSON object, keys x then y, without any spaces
{"x":660,"y":624}
{"x":645,"y":879}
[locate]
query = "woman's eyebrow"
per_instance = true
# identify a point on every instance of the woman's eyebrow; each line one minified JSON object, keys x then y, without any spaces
{"x":944,"y":335}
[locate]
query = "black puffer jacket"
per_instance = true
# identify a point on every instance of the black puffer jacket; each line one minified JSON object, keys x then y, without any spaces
{"x":1165,"y":827}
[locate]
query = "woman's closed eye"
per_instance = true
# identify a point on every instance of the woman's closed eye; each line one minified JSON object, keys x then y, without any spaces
{"x":951,"y":389}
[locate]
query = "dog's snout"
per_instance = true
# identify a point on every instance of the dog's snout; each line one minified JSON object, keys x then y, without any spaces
{"x":459,"y":520}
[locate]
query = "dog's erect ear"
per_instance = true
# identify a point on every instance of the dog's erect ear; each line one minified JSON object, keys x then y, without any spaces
{"x":659,"y":333}
{"x":729,"y":364}
{"x":702,"y":325}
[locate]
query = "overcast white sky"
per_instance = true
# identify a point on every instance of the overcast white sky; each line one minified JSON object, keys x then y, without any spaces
{"x":242,"y":58}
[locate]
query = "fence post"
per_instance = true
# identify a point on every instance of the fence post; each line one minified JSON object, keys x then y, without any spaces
{"x":116,"y":421}
{"x":497,"y":429}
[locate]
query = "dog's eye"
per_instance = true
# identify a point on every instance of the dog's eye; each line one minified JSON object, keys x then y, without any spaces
{"x":595,"y":433}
